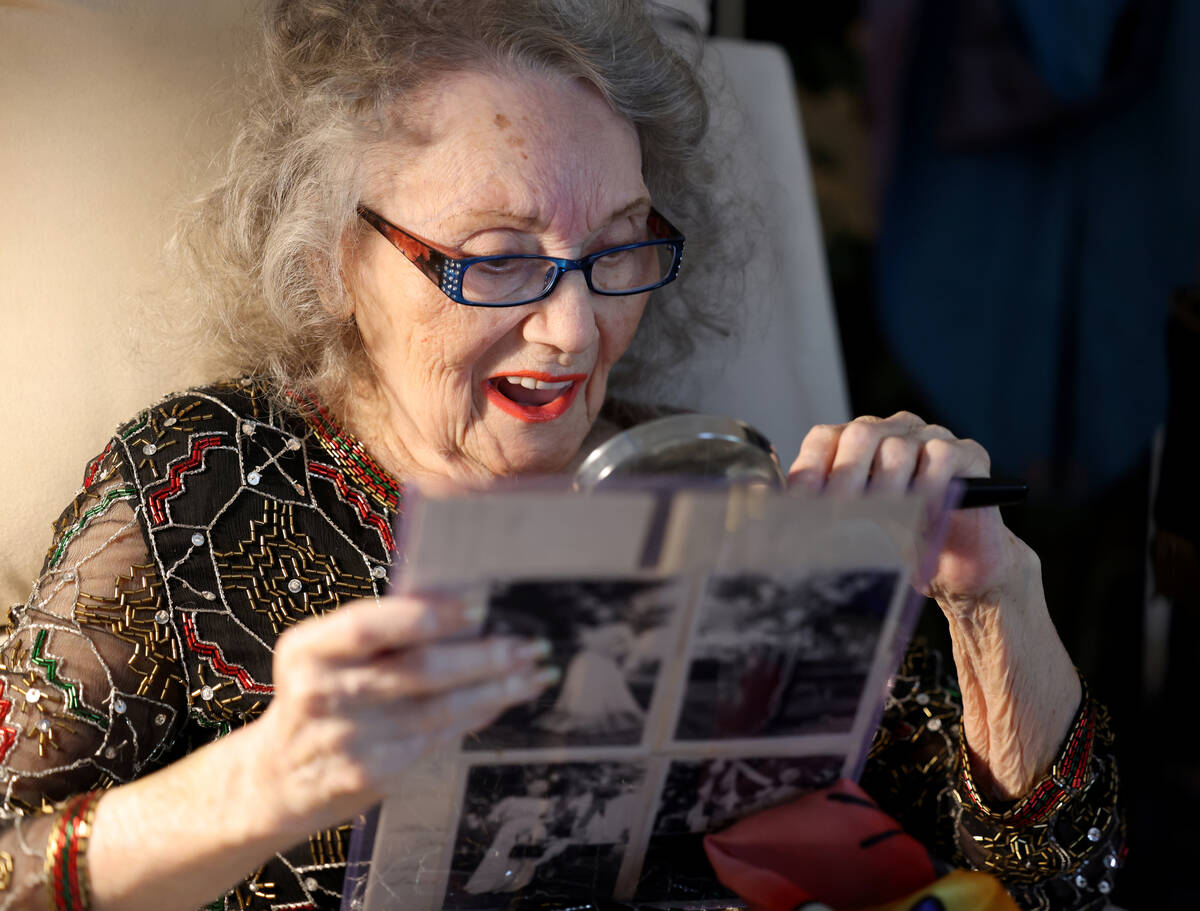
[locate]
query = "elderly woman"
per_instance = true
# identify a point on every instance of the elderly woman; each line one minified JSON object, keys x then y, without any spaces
{"x":438,"y":237}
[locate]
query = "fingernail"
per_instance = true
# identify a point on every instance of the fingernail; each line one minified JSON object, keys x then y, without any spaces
{"x":546,"y":676}
{"x":805,"y":479}
{"x":514,"y":685}
{"x":474,"y":614}
{"x":533,"y":651}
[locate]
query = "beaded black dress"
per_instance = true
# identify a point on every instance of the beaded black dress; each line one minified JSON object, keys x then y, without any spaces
{"x":217,"y":518}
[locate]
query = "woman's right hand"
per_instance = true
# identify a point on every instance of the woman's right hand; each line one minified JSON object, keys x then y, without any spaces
{"x":364,"y":692}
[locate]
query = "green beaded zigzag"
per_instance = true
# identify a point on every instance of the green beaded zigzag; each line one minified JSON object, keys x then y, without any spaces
{"x":70,"y":690}
{"x":115,"y":494}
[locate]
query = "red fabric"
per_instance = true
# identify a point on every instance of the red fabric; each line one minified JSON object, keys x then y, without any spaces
{"x":834,"y":846}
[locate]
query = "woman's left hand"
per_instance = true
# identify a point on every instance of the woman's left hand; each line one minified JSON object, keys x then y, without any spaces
{"x":887,"y":456}
{"x":1019,"y":688}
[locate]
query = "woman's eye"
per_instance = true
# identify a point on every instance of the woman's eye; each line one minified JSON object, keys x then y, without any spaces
{"x":498,"y":266}
{"x":618,"y":241}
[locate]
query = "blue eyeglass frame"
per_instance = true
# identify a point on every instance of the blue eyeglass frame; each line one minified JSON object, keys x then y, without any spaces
{"x":446,"y":271}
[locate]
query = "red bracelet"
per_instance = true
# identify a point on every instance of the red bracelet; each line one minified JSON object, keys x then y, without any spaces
{"x":67,"y":885}
{"x":1069,"y":773}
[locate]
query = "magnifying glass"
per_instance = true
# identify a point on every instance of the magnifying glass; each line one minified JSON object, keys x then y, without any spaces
{"x":724,"y":448}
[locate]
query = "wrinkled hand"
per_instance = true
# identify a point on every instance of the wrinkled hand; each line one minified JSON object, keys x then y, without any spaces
{"x":364,"y":692}
{"x":873,"y":456}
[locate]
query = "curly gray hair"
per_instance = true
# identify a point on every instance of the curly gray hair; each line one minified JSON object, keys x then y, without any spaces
{"x":269,"y":243}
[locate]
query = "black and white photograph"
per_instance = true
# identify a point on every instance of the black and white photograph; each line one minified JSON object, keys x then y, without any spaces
{"x":777,"y":656}
{"x":609,"y":638}
{"x":704,"y":795}
{"x":551,"y":832}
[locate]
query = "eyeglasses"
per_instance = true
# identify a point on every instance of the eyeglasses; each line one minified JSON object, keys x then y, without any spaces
{"x":522,"y":278}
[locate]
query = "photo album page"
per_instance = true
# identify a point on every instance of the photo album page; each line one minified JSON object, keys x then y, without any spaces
{"x":721,"y":651}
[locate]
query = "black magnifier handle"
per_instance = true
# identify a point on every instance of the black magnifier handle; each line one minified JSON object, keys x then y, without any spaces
{"x":978,"y":492}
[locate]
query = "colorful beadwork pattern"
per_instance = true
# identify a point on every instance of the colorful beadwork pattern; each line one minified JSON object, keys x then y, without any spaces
{"x":197,"y":539}
{"x":217,"y":519}
{"x":1058,"y":847}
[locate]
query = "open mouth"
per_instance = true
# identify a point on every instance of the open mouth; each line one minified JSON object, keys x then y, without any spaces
{"x":531,"y":396}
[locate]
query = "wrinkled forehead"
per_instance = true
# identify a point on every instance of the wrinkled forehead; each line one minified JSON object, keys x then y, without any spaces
{"x":500,"y":137}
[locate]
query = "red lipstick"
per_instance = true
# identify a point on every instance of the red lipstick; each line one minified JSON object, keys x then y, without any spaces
{"x":533,"y":412}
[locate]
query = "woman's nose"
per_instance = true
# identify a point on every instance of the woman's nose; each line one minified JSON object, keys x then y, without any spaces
{"x":566,"y":320}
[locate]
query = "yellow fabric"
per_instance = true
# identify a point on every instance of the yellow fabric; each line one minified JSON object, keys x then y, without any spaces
{"x":958,"y":890}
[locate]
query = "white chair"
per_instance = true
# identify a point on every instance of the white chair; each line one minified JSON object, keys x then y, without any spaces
{"x":782,"y":370}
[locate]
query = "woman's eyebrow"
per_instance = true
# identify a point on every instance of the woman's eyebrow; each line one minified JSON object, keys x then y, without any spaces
{"x":642,"y":202}
{"x":520,"y":220}
{"x":526,"y":221}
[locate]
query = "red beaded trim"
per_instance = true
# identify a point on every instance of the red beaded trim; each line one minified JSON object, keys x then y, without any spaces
{"x":348,"y":452}
{"x":94,"y":465}
{"x":1069,"y":773}
{"x":173,"y":484}
{"x":67,"y":883}
{"x":216,"y":658}
{"x":8,"y":734}
{"x":355,"y":499}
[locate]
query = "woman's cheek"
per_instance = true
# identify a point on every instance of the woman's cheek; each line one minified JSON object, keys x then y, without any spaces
{"x":618,"y":335}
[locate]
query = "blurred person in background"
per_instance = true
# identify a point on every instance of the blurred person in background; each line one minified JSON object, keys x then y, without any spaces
{"x":1039,"y":200}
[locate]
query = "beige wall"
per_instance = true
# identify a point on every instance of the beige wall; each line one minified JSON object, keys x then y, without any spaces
{"x":107,"y":112}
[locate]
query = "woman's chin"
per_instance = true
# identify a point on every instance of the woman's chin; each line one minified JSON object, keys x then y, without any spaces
{"x":537,"y":461}
{"x":521,"y":448}
{"x":541,"y":452}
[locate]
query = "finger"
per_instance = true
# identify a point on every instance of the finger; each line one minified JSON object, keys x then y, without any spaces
{"x":364,"y":628}
{"x":432,"y":669}
{"x":942,"y":460}
{"x":858,"y":446}
{"x":854,"y":456}
{"x":933,"y":432}
{"x":393,"y":755}
{"x":466,"y":708}
{"x":894,"y":466}
{"x":816,"y":455}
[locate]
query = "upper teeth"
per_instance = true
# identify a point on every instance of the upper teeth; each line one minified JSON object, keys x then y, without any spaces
{"x":530,"y":383}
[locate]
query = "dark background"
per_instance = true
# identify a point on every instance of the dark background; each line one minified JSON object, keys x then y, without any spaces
{"x":1093,"y":546}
